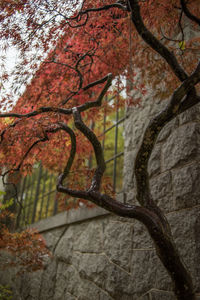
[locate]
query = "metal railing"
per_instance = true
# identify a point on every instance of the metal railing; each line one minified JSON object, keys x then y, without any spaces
{"x":38,"y":194}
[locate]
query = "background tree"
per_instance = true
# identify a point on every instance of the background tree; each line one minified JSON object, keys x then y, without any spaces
{"x":97,"y":41}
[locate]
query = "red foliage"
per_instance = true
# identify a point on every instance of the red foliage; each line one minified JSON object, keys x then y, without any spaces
{"x":27,"y":249}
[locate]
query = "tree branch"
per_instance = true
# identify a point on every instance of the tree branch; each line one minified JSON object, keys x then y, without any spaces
{"x":188,"y":13}
{"x":89,"y":134}
{"x":174,"y":107}
{"x":152,"y":41}
{"x":64,"y":111}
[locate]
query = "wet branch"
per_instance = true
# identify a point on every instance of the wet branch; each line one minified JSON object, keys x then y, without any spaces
{"x":174,"y":107}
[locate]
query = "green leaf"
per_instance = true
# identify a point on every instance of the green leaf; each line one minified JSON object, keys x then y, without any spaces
{"x":182,"y":45}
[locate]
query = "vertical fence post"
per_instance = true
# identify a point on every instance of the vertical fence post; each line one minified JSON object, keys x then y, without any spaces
{"x":48,"y":199}
{"x":55,"y":209}
{"x":116,"y":142}
{"x":30,"y":198}
{"x":21,"y":201}
{"x":43,"y":192}
{"x":37,"y":194}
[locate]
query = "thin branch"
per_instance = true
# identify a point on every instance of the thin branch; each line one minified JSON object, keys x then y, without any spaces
{"x":105,"y":7}
{"x":97,"y":102}
{"x":64,"y":111}
{"x":37,"y":112}
{"x":72,"y":152}
{"x":90,"y":135}
{"x":188,"y":13}
{"x":155,"y":44}
{"x":7,"y":128}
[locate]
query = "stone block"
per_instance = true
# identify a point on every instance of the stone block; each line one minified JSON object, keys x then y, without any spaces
{"x":182,"y":146}
{"x":167,"y":130}
{"x":185,"y":226}
{"x":161,"y":190}
{"x":162,"y":295}
{"x":105,"y":275}
{"x":90,"y":240}
{"x":141,"y":237}
{"x":190,"y":115}
{"x":146,"y":296}
{"x":161,"y":186}
{"x":66,"y":296}
{"x":64,"y":247}
{"x":186,"y":186}
{"x":67,"y":281}
{"x":148,"y":272}
{"x":52,"y":237}
{"x":129,"y":159}
{"x":118,"y":243}
{"x":143,"y":272}
{"x":154,"y":162}
{"x":48,"y":281}
{"x":31,"y":285}
{"x":130,"y":197}
{"x":90,"y":291}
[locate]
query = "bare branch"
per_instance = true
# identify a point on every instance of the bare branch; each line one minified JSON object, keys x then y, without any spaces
{"x":155,"y":44}
{"x":64,"y":111}
{"x":188,"y":13}
{"x":105,"y":7}
{"x":97,"y":102}
{"x":89,"y":134}
{"x":38,"y":112}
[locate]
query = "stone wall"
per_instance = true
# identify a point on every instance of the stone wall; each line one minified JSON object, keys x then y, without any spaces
{"x":98,"y":256}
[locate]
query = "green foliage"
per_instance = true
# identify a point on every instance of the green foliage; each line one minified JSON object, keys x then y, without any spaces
{"x":5,"y":293}
{"x":4,"y":206}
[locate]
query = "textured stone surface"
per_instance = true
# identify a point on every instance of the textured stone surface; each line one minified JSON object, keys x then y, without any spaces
{"x":128,"y":181}
{"x":162,"y":295}
{"x":191,"y":115}
{"x":154,"y":162}
{"x":64,"y":249}
{"x":186,"y":186}
{"x":181,"y":146}
{"x":118,"y":243}
{"x":66,"y":281}
{"x":141,"y":238}
{"x":90,"y":239}
{"x":186,"y":231}
{"x":48,"y":281}
{"x":107,"y":276}
{"x":161,"y":190}
{"x":167,"y":130}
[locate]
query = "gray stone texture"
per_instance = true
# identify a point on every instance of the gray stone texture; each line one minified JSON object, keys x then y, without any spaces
{"x":107,"y":257}
{"x":181,"y":146}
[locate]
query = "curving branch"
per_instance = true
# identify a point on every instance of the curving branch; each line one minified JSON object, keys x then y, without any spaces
{"x":90,"y":135}
{"x":99,"y":99}
{"x":79,"y":74}
{"x":174,"y":107}
{"x":7,"y":128}
{"x":188,"y":13}
{"x":153,"y":219}
{"x":105,"y":7}
{"x":81,"y":108}
{"x":153,"y":42}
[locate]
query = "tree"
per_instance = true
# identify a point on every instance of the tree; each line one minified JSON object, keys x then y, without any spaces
{"x":27,"y":248}
{"x":99,"y":41}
